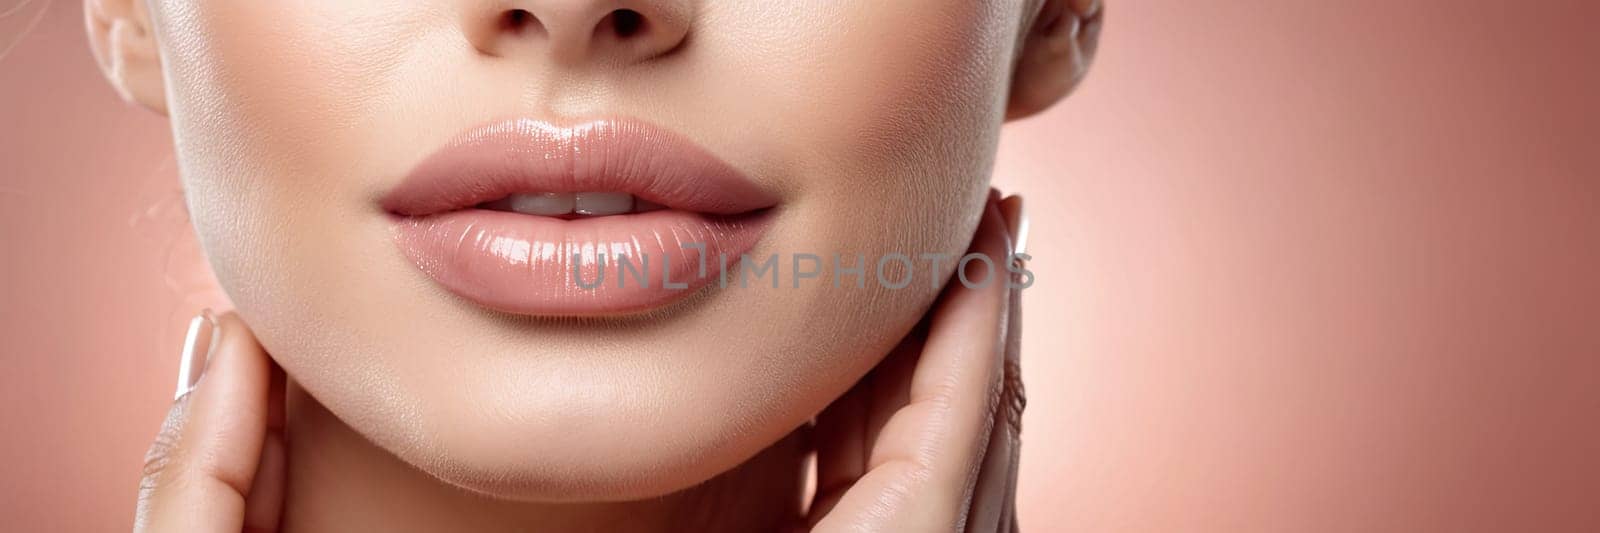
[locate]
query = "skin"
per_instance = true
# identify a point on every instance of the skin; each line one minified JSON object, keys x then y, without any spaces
{"x":412,"y":408}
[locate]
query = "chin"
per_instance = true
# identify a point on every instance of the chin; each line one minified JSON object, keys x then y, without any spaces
{"x":562,"y":445}
{"x":641,"y":471}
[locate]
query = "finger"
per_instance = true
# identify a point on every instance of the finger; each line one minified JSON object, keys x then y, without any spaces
{"x":846,"y":429}
{"x":839,"y":437}
{"x":1017,"y":402}
{"x":922,"y":467}
{"x":1085,"y":8}
{"x":204,"y":461}
{"x":991,"y":497}
{"x":264,"y":503}
{"x":994,"y":500}
{"x":1092,"y":13}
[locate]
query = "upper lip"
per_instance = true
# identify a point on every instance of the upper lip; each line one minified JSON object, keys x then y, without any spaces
{"x":609,"y":155}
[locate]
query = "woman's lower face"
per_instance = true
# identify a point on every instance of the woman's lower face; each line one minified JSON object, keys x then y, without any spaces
{"x":311,"y":135}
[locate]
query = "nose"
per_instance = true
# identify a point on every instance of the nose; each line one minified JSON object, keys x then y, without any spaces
{"x":575,"y":32}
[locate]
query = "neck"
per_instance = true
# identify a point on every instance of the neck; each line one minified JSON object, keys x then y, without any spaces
{"x":340,"y":481}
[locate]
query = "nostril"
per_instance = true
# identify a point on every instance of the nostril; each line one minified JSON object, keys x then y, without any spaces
{"x":580,"y":31}
{"x":518,"y":20}
{"x":626,"y":22}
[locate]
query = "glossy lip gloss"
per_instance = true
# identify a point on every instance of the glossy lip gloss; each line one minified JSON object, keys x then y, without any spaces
{"x":543,"y":265}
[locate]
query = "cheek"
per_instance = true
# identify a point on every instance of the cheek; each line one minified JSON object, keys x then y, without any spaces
{"x":886,"y":113}
{"x":891,"y":88}
{"x":271,"y":104}
{"x":883,"y":116}
{"x":272,"y":100}
{"x":884,"y":152}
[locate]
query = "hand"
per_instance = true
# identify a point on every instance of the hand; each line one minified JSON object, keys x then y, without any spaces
{"x":929,"y":440}
{"x":218,"y":463}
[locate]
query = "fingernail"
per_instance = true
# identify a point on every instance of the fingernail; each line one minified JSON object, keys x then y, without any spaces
{"x":1086,"y":8}
{"x":1016,"y":223}
{"x":197,"y":345}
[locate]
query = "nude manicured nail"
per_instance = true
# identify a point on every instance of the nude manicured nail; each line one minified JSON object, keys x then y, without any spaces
{"x":1016,"y":223}
{"x":1086,"y":8}
{"x":197,"y":345}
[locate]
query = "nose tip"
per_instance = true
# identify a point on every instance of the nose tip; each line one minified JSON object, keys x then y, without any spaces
{"x":582,"y":31}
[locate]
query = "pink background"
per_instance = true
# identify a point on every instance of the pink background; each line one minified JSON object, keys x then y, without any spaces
{"x":1302,"y":266}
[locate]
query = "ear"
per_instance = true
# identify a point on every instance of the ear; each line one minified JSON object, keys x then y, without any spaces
{"x":124,"y":44}
{"x":1055,"y":54}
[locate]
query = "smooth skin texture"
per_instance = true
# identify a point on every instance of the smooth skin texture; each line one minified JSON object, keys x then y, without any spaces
{"x":292,"y":118}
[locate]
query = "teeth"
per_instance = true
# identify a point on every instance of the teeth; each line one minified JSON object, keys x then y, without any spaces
{"x":602,"y":203}
{"x":644,"y":206}
{"x":546,"y":204}
{"x":556,"y":204}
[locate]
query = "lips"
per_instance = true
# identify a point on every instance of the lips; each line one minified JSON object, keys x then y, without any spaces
{"x":604,"y":217}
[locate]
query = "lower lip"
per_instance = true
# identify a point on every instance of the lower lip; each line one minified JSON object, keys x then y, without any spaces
{"x":535,"y":265}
